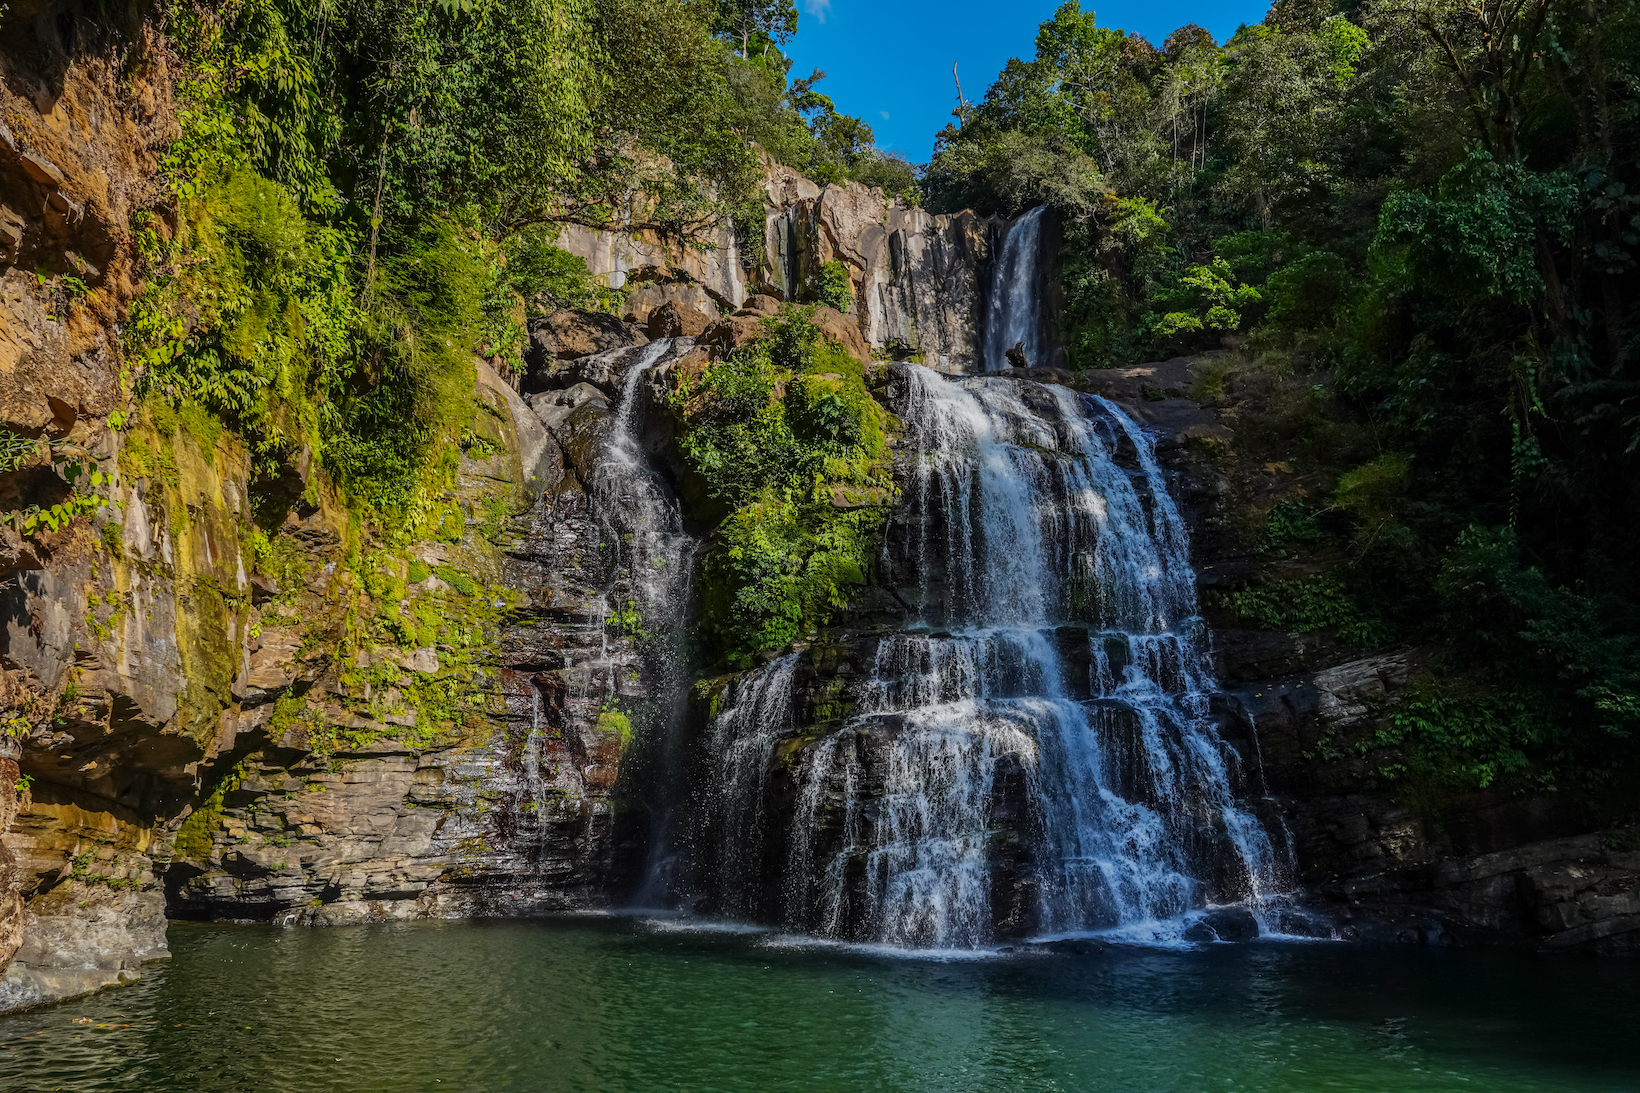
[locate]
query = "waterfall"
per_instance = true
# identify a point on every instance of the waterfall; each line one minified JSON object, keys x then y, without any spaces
{"x":637,"y":514}
{"x":650,"y":563}
{"x":1034,"y":754}
{"x":1011,"y":308}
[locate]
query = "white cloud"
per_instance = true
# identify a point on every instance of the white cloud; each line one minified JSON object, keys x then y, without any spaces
{"x":818,"y":8}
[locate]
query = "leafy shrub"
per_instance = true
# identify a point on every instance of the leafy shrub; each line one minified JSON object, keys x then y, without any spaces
{"x":1308,"y":293}
{"x":1290,"y":526}
{"x":833,"y":286}
{"x":1320,"y":603}
{"x":548,"y":277}
{"x":1460,"y":739}
{"x":772,"y":432}
{"x":1204,"y":299}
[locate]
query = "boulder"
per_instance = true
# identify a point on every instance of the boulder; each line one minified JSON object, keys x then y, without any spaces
{"x":687,"y":366}
{"x":759,"y":304}
{"x":602,"y":370}
{"x":839,"y":328}
{"x":730,"y":333}
{"x":542,"y":347}
{"x":582,"y":333}
{"x":1233,"y":924}
{"x":674,"y":320}
{"x":649,"y":298}
{"x":553,"y":408}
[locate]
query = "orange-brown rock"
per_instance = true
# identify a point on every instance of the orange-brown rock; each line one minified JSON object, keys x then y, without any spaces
{"x":840,"y":328}
{"x":649,"y":297}
{"x":674,"y":320}
{"x":759,"y":304}
{"x":730,"y":333}
{"x":11,"y":894}
{"x":583,"y":333}
{"x":77,"y":163}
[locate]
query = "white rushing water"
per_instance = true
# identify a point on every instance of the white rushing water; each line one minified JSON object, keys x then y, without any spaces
{"x":1012,"y":305}
{"x":1034,"y":753}
{"x":1039,"y":757}
{"x":1052,"y":721}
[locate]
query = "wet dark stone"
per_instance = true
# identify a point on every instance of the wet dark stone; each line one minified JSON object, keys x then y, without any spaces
{"x":1230,"y":924}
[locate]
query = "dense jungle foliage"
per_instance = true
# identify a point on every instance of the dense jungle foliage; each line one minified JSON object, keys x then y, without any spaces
{"x":787,"y":447}
{"x":1423,"y":217}
{"x":368,"y":194}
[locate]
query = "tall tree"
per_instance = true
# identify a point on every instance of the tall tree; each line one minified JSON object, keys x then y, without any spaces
{"x":775,"y":20}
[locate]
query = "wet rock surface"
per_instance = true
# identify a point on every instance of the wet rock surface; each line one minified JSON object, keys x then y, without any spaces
{"x":211,"y":758}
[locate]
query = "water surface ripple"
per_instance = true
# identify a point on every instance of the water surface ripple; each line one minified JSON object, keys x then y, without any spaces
{"x":596,"y":1005}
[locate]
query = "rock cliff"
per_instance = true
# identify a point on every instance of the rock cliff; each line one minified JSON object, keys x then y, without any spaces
{"x":217,"y":712}
{"x":918,"y":281}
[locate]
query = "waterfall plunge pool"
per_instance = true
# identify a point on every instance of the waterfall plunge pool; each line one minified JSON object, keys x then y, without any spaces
{"x":620,"y":1005}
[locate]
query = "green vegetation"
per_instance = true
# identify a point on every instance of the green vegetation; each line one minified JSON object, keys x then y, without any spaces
{"x":363,"y":199}
{"x":790,"y":452}
{"x":834,"y":288}
{"x":368,"y":194}
{"x":1419,"y":223}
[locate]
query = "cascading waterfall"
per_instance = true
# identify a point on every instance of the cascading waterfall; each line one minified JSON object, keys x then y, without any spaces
{"x":1035,"y":754}
{"x":637,"y":512}
{"x":647,"y":564}
{"x":1011,"y":308}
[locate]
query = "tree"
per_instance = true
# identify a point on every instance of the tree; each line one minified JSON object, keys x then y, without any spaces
{"x":775,"y":20}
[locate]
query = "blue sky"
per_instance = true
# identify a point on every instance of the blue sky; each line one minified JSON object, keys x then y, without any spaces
{"x":889,"y":61}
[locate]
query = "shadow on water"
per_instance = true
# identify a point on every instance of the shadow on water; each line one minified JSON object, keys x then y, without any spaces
{"x":618,"y":1005}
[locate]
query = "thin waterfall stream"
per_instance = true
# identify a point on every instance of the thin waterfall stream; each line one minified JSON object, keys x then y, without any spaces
{"x":637,"y":675}
{"x":1013,"y":308}
{"x":651,"y":565}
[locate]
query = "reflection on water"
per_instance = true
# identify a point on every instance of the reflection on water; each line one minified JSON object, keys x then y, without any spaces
{"x":595,"y":1005}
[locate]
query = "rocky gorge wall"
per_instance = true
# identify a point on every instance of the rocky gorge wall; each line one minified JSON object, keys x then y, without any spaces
{"x":223,"y":704}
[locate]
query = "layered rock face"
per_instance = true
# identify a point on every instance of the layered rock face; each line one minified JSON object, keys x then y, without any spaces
{"x":224,"y":714}
{"x":78,"y":149}
{"x":217,"y":713}
{"x":220,"y":747}
{"x":918,"y":282}
{"x":1476,"y":867}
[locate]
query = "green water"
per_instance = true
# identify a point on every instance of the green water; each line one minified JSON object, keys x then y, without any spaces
{"x":616,"y":1005}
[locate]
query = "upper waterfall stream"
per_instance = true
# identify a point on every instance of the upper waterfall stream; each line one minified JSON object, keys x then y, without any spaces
{"x":1012,"y":308}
